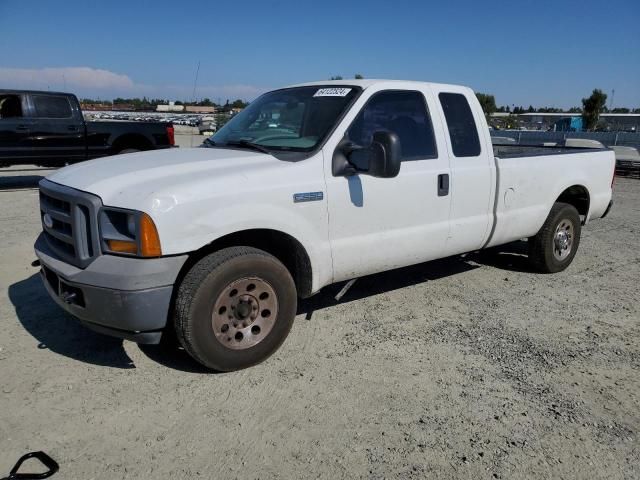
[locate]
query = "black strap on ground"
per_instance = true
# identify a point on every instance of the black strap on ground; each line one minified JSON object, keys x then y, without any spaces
{"x":45,"y":459}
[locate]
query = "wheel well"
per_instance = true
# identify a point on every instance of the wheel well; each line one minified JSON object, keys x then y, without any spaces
{"x":131,"y":140}
{"x":578,"y":196}
{"x":281,"y":245}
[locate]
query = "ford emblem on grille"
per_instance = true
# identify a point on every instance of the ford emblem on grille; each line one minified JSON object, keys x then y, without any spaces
{"x":47,"y":220}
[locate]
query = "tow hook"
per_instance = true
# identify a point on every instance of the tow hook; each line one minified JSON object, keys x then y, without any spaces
{"x":68,"y":297}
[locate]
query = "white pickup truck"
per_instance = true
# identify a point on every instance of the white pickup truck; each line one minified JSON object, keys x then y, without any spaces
{"x":309,"y":185}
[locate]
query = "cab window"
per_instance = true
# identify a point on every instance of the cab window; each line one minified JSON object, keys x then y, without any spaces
{"x":463,"y":131}
{"x":402,"y":112}
{"x":51,"y":106}
{"x":10,"y":106}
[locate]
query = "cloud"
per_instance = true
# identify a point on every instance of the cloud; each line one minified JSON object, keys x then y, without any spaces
{"x":213,"y":92}
{"x":93,"y":82}
{"x":84,"y":77}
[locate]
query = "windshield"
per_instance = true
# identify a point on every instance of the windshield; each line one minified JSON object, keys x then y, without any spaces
{"x":292,"y":119}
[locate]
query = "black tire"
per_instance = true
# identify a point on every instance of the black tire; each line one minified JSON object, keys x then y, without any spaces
{"x":206,"y":283}
{"x":545,"y":254}
{"x":128,"y":150}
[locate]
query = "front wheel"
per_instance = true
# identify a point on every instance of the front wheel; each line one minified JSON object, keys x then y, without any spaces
{"x":553,"y":248}
{"x":234,"y":308}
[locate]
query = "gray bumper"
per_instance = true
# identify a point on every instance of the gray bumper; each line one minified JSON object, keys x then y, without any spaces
{"x":123,"y":297}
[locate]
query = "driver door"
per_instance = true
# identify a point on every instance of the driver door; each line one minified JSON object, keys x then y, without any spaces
{"x":377,"y":224}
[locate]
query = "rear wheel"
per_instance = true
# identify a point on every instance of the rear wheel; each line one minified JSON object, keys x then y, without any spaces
{"x":553,"y":248}
{"x":234,"y":308}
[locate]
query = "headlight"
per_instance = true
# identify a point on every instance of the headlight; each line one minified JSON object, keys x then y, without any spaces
{"x":128,"y":232}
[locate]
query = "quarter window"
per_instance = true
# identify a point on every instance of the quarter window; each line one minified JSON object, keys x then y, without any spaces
{"x":403,"y":113}
{"x":51,"y":106}
{"x":462,"y":128}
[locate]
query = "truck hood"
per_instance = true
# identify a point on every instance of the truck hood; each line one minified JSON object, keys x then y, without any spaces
{"x":138,"y":180}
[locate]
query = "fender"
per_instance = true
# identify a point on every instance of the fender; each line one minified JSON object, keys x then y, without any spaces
{"x":212,"y":224}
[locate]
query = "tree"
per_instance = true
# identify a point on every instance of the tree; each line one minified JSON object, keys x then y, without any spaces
{"x":336,"y":77}
{"x":238,"y":104}
{"x":620,"y":110}
{"x":357,"y":76}
{"x":487,"y":102}
{"x":575,"y":110}
{"x":592,"y":107}
{"x":531,"y":109}
{"x":550,"y":110}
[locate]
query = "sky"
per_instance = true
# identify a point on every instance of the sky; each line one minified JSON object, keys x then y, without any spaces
{"x":541,"y":53}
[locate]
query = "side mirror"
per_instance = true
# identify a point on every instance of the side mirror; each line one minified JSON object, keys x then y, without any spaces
{"x":385,"y":155}
{"x":381,"y":159}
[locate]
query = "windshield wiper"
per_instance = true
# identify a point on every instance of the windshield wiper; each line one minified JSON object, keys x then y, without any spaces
{"x":209,"y":143}
{"x":248,"y":144}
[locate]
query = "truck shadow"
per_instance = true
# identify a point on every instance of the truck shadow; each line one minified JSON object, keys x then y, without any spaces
{"x":385,"y":282}
{"x":53,"y":329}
{"x":171,"y":355}
{"x":513,"y":257}
{"x":59,"y":332}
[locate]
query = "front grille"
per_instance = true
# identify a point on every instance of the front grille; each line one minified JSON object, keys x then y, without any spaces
{"x":71,"y":228}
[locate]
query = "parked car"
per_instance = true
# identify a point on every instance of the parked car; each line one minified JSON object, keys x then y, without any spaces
{"x":627,"y":158}
{"x":503,"y":140}
{"x":357,"y":177}
{"x":48,"y":129}
{"x":582,"y":143}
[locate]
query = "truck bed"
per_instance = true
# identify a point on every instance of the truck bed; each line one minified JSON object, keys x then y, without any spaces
{"x":532,"y":178}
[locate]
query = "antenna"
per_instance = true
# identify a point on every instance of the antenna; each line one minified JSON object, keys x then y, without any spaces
{"x":195,"y":83}
{"x":64,"y":81}
{"x":613,"y":93}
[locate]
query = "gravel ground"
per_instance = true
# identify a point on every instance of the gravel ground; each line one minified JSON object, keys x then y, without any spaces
{"x":468,"y":367}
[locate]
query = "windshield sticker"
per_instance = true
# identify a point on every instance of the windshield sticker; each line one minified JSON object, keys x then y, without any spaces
{"x":332,"y":92}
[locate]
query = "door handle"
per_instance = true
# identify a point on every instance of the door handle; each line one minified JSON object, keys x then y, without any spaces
{"x":443,"y":184}
{"x":22,"y":128}
{"x":72,"y":128}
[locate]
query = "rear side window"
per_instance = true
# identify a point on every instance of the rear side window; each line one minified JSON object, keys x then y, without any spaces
{"x":10,"y":106}
{"x":401,"y":112}
{"x":51,"y":106}
{"x":462,"y":128}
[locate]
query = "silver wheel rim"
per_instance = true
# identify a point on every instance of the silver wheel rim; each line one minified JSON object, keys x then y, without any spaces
{"x":563,"y":239}
{"x":244,"y":313}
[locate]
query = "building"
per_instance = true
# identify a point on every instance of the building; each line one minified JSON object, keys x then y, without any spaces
{"x":172,"y":107}
{"x":200,"y":109}
{"x":102,"y":107}
{"x":123,"y":107}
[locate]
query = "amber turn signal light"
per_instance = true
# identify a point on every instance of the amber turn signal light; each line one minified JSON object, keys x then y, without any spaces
{"x":149,"y":239}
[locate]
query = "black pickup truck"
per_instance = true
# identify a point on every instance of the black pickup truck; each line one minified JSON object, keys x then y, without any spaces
{"x":48,"y":129}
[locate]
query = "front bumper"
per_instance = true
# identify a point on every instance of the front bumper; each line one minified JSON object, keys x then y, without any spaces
{"x":118,"y":296}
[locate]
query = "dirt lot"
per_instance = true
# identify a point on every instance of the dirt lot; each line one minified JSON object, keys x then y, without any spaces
{"x":467,"y":367}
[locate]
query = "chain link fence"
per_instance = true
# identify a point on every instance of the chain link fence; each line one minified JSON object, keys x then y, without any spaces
{"x":528,"y":137}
